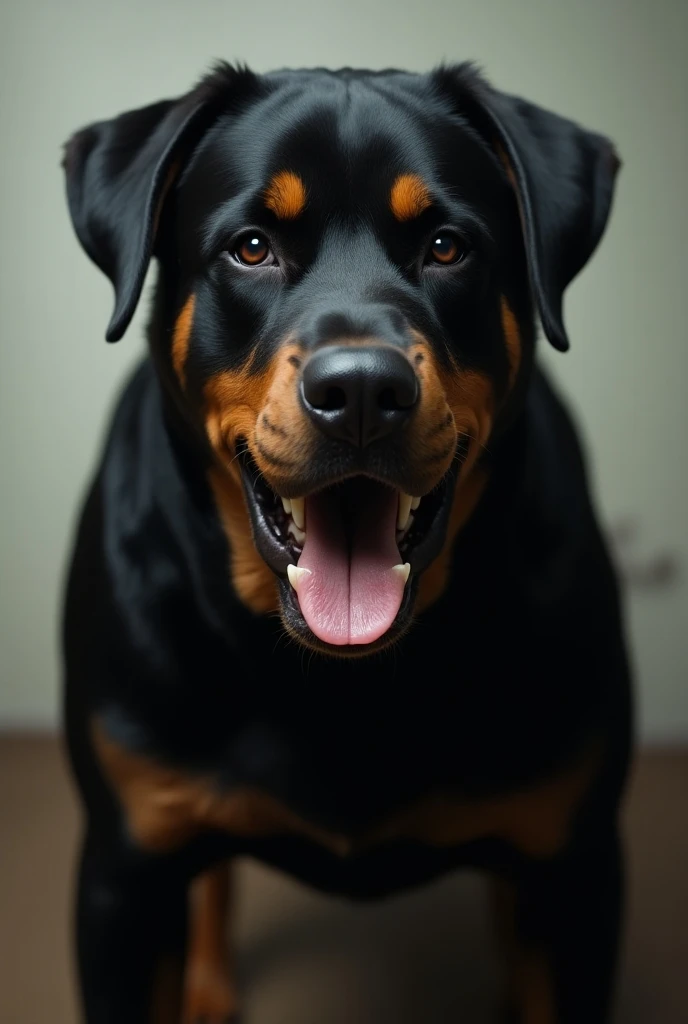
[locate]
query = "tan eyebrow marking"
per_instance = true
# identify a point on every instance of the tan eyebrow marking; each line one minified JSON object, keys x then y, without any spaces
{"x":286,"y":195}
{"x":409,"y":197}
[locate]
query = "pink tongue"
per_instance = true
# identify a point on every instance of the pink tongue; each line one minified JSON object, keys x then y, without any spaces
{"x":352,"y":594}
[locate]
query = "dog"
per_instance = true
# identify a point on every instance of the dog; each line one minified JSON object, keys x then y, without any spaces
{"x":338,"y":598}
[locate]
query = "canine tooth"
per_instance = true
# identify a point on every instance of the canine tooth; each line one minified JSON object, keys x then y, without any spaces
{"x":414,"y":504}
{"x":295,"y":575}
{"x":298,"y":512}
{"x":403,"y":570}
{"x":286,"y":504}
{"x":299,"y":535}
{"x":404,"y":509}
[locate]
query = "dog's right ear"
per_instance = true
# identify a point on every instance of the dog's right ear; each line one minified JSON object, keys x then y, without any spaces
{"x":119,"y":173}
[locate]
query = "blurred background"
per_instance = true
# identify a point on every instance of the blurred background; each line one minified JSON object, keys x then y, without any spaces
{"x":620,"y":67}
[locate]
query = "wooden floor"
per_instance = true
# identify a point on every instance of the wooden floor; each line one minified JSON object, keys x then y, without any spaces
{"x":421,"y":959}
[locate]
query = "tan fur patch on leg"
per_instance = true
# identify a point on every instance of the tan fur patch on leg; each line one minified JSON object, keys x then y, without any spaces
{"x":210,"y":994}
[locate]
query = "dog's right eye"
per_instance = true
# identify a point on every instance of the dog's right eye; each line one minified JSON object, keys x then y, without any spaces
{"x":252,"y":250}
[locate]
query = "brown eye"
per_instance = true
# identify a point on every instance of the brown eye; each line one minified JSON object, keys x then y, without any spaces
{"x":253,"y":250}
{"x":445,"y":249}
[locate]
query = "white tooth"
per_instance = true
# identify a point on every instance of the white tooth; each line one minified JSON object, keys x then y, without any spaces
{"x":296,"y":575}
{"x":415,"y":502}
{"x":404,"y":509}
{"x":287,"y":505}
{"x":298,"y":512}
{"x":403,"y":570}
{"x":299,"y":535}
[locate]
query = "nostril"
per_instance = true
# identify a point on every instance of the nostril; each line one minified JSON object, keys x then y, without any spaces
{"x":388,"y":401}
{"x":335,"y":398}
{"x":401,"y":394}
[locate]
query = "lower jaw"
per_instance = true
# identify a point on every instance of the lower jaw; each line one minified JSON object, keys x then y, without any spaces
{"x":295,"y":624}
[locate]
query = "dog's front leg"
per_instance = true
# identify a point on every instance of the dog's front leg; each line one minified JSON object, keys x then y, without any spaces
{"x":559,"y":922}
{"x":131,"y":926}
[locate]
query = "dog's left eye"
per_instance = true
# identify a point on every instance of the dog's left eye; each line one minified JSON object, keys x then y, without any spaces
{"x":446,"y":248}
{"x":252,"y":250}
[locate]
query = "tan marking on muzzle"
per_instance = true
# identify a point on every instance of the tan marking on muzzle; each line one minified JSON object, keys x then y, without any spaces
{"x":256,"y":408}
{"x":454,"y":402}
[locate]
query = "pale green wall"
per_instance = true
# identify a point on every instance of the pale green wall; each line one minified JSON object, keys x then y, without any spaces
{"x":619,"y":67}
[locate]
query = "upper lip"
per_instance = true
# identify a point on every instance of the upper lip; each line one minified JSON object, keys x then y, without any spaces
{"x":332,"y":461}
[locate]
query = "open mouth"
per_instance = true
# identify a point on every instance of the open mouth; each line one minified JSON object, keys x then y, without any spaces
{"x":348,"y":556}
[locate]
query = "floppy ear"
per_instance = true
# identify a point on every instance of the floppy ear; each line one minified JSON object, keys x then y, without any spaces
{"x":564,"y":180}
{"x":120,"y":171}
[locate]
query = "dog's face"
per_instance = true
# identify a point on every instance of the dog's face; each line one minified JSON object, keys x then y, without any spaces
{"x":346,"y":310}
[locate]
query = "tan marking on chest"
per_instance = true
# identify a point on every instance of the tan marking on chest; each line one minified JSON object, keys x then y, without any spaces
{"x":166,"y":807}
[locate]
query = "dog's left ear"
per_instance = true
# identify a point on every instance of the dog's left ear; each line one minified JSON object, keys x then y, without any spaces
{"x":564,"y":180}
{"x":119,"y":173}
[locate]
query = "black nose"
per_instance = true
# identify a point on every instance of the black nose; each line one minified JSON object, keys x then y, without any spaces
{"x":359,"y":394}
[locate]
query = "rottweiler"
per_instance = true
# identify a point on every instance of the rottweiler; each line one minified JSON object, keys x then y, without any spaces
{"x":338,"y":599}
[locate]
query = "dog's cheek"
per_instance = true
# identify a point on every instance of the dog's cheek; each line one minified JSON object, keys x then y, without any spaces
{"x":434,"y":580}
{"x":284,"y":436}
{"x":433,"y":433}
{"x":471,"y":398}
{"x":253,"y":582}
{"x":233,"y":399}
{"x":454,"y":402}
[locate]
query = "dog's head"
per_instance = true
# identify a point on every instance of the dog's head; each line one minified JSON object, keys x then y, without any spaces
{"x":349,"y":268}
